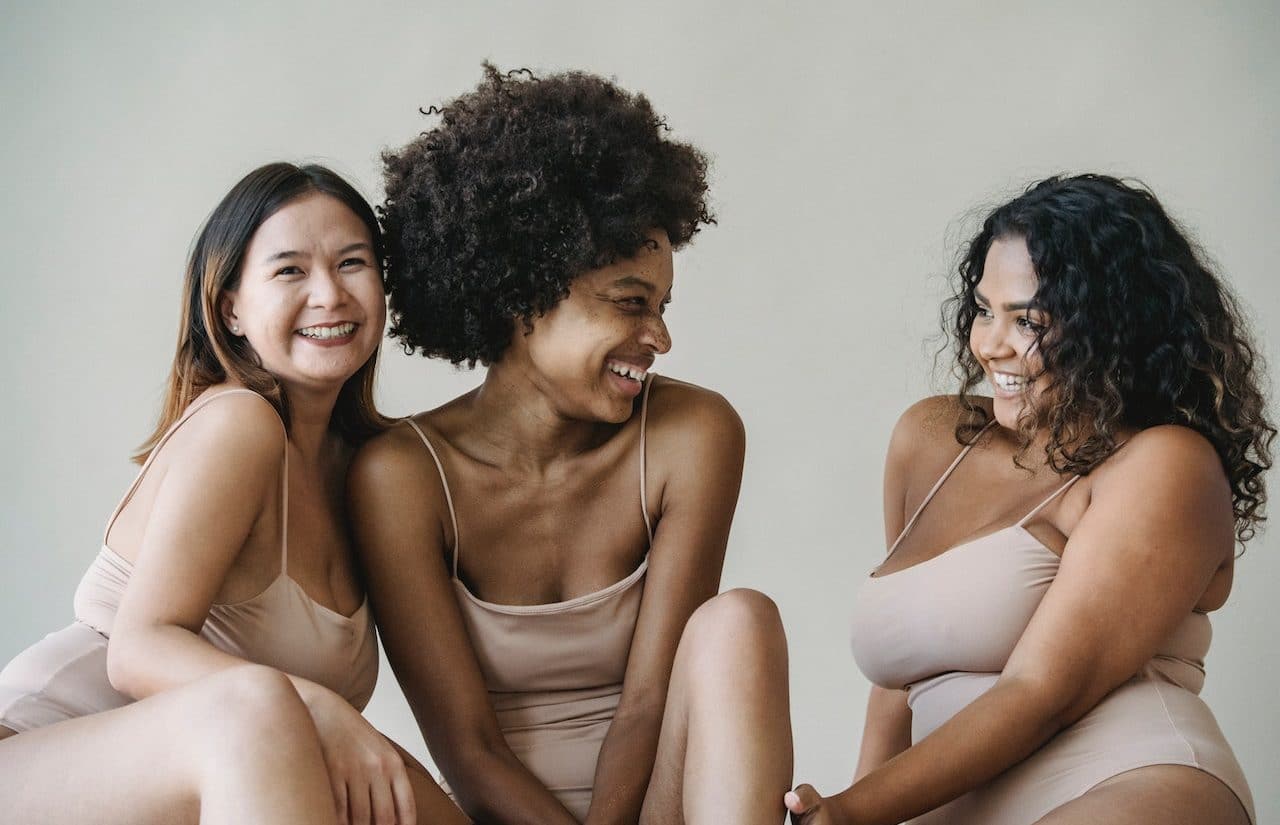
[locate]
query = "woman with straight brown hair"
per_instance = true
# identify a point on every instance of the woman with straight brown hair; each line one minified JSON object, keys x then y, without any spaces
{"x":223,"y":645}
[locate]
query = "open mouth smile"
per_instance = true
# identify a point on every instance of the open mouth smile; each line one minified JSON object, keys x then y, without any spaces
{"x":325,"y":332}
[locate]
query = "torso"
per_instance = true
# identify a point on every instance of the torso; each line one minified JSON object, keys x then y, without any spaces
{"x":955,"y":516}
{"x":537,"y":539}
{"x":321,"y":557}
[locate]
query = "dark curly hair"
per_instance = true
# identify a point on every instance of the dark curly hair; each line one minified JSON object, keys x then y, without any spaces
{"x":1141,"y":333}
{"x":525,"y":184}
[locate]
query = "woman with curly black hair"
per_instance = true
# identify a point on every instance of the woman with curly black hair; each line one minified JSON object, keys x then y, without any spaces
{"x":1037,"y":633}
{"x":543,"y":553}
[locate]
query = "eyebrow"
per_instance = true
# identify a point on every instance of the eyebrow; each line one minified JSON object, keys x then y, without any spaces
{"x":1010,"y":307}
{"x":293,"y":253}
{"x":632,"y":280}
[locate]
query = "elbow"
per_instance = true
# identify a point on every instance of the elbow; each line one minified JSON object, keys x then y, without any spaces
{"x":123,"y":657}
{"x":1044,"y":705}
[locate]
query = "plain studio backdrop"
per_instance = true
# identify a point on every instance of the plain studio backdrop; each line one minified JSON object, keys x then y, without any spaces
{"x":852,"y":145}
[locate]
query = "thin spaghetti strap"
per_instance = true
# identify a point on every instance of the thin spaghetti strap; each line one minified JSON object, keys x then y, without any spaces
{"x":191,"y":410}
{"x":284,"y":509}
{"x":448,"y":497}
{"x":644,"y":497}
{"x":936,"y":487}
{"x":1036,"y":510}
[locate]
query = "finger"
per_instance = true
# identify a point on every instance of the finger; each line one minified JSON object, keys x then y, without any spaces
{"x":405,"y":801}
{"x":802,"y":799}
{"x":382,"y":806}
{"x":340,"y":799}
{"x":358,"y":803}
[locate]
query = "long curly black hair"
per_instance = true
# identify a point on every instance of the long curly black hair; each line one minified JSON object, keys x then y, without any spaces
{"x":523,"y":185}
{"x":1141,"y":332}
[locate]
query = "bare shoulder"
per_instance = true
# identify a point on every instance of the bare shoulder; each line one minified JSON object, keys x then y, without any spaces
{"x":241,"y":431}
{"x":688,"y":415}
{"x":1168,"y":454}
{"x":392,"y":459}
{"x":927,"y":429}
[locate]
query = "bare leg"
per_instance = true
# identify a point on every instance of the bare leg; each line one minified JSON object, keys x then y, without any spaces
{"x":1158,"y":795}
{"x":236,"y":747}
{"x":724,"y":753}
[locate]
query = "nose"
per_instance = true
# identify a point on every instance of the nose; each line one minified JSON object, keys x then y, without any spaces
{"x":991,"y":340}
{"x":327,"y":289}
{"x":655,"y":335}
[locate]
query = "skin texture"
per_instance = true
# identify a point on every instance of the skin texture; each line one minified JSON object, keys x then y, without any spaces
{"x":204,"y":527}
{"x":1144,"y":539}
{"x":542,"y":462}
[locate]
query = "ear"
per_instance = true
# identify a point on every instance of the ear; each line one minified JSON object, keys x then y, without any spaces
{"x":227,"y":310}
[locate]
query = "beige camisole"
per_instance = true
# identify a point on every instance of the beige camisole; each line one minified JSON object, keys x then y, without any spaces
{"x":554,"y":671}
{"x":64,"y":676}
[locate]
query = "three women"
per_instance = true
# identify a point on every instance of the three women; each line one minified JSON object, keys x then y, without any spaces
{"x":566,"y":656}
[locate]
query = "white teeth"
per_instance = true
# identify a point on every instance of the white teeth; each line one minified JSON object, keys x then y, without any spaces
{"x":1007,"y":381}
{"x":626,"y":372}
{"x":321,"y":333}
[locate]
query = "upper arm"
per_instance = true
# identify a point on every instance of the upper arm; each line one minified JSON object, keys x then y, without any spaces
{"x":1158,"y":525}
{"x":696,"y":446}
{"x":398,"y":513}
{"x":221,"y":465}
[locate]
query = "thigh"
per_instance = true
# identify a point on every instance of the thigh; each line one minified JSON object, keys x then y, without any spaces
{"x":1155,"y":795}
{"x":140,"y":764}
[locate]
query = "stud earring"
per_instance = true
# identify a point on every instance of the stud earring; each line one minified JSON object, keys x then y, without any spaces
{"x":235,"y":329}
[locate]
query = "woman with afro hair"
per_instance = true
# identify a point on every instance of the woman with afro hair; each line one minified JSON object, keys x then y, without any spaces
{"x":1037,"y":633}
{"x":544,"y":552}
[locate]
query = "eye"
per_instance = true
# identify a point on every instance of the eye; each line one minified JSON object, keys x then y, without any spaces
{"x":632,"y":303}
{"x":353,"y":263}
{"x":1030,"y":326}
{"x":288,"y":272}
{"x":981,"y":311}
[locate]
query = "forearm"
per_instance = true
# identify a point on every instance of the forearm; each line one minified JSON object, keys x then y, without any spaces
{"x":142,"y":661}
{"x":495,"y":788}
{"x":989,"y":736}
{"x":623,"y":769}
{"x":886,"y":731}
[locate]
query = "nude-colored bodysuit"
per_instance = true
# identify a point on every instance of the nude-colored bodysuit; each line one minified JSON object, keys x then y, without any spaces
{"x":64,"y":676}
{"x":943,"y":629}
{"x":554,"y":671}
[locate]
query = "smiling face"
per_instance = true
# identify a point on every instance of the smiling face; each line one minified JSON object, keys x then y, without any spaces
{"x":1005,"y":328}
{"x":309,"y":297}
{"x":590,"y":353}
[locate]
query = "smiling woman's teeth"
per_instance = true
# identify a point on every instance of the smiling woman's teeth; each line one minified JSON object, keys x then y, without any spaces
{"x":626,"y":372}
{"x":1007,"y":382}
{"x":328,"y":332}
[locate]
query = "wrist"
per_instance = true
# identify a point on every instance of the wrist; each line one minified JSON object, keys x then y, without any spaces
{"x":846,"y":808}
{"x":312,"y":695}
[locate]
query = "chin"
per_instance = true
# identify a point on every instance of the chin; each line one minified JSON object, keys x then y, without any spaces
{"x":1006,"y":412}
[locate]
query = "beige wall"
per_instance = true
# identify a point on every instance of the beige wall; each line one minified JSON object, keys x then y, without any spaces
{"x":850,"y":141}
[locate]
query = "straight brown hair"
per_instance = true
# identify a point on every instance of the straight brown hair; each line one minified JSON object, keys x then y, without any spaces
{"x":207,"y":354}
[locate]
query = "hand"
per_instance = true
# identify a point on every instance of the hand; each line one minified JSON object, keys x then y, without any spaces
{"x":807,"y":807}
{"x":370,"y":782}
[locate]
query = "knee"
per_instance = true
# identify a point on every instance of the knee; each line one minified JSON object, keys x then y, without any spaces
{"x":249,"y":702}
{"x":739,"y":621}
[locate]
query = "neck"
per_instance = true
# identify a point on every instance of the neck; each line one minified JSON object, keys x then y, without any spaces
{"x":519,"y":423}
{"x":310,"y":412}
